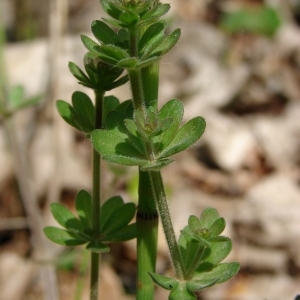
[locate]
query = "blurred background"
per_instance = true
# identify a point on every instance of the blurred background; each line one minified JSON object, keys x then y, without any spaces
{"x":237,"y":64}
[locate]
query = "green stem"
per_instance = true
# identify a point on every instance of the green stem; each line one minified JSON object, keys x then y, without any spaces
{"x":147,"y":218}
{"x":150,"y":81}
{"x":147,"y":227}
{"x":164,"y":213}
{"x":137,"y":90}
{"x":95,"y":257}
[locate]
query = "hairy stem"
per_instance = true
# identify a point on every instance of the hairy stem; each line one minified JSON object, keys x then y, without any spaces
{"x":164,"y":213}
{"x":95,"y":257}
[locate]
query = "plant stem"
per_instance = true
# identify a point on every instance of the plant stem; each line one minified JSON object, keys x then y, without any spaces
{"x":95,"y":257}
{"x":137,"y":90}
{"x":164,"y":213}
{"x":147,"y":227}
{"x":147,"y":218}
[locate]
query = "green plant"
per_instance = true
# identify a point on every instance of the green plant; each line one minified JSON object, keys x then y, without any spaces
{"x":262,"y":20}
{"x":137,"y":133}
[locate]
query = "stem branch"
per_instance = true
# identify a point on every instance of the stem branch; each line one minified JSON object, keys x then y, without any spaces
{"x":163,"y":209}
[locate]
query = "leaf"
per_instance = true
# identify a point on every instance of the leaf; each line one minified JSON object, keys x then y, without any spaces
{"x":62,"y":237}
{"x":156,"y":165}
{"x":181,"y":291}
{"x":89,"y":43}
{"x":83,"y":106}
{"x":84,"y":208}
{"x":217,"y":251}
{"x":116,"y":83}
{"x":124,"y":234}
{"x":163,"y":281}
{"x":127,"y":63}
{"x":208,"y":217}
{"x":219,"y":274}
{"x":156,"y":12}
{"x":151,"y":38}
{"x":110,"y":10}
{"x":186,"y":136}
{"x":83,"y":124}
{"x":119,"y":218}
{"x":29,"y":102}
{"x":129,"y":18}
{"x":118,"y":146}
{"x":189,"y":252}
{"x":107,"y":209}
{"x":110,"y":104}
{"x":67,"y":112}
{"x":197,"y":284}
{"x":64,"y":217}
{"x":16,"y":96}
{"x":123,"y":34}
{"x":146,"y":62}
{"x":104,"y":34}
{"x":173,"y":109}
{"x":111,"y":54}
{"x":167,"y":43}
{"x":119,"y":149}
{"x":194,"y":224}
{"x":97,"y":247}
{"x":78,"y":73}
{"x":263,"y":20}
{"x":217,"y":227}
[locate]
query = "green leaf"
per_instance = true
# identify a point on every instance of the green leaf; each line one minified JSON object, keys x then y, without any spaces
{"x":119,"y":218}
{"x":111,"y":54}
{"x":64,"y":217}
{"x":217,"y":251}
{"x":189,"y":251}
{"x":110,"y":10}
{"x":107,"y":209}
{"x":104,"y":34}
{"x":186,"y":136}
{"x":124,"y":234}
{"x":156,"y":12}
{"x":163,"y":281}
{"x":110,"y":104}
{"x":84,"y":107}
{"x":181,"y":291}
{"x":197,"y":284}
{"x":194,"y":224}
{"x":156,"y":165}
{"x":129,"y":18}
{"x":119,"y":149}
{"x":84,"y":208}
{"x":173,"y":109}
{"x":151,"y":38}
{"x":219,"y":274}
{"x":208,"y":217}
{"x":167,"y":43}
{"x":262,"y":20}
{"x":97,"y":247}
{"x":78,"y":73}
{"x":217,"y":227}
{"x":16,"y":96}
{"x":67,"y":112}
{"x":89,"y":43}
{"x":146,"y":62}
{"x":63,"y":237}
{"x":127,"y":63}
{"x":116,"y":83}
